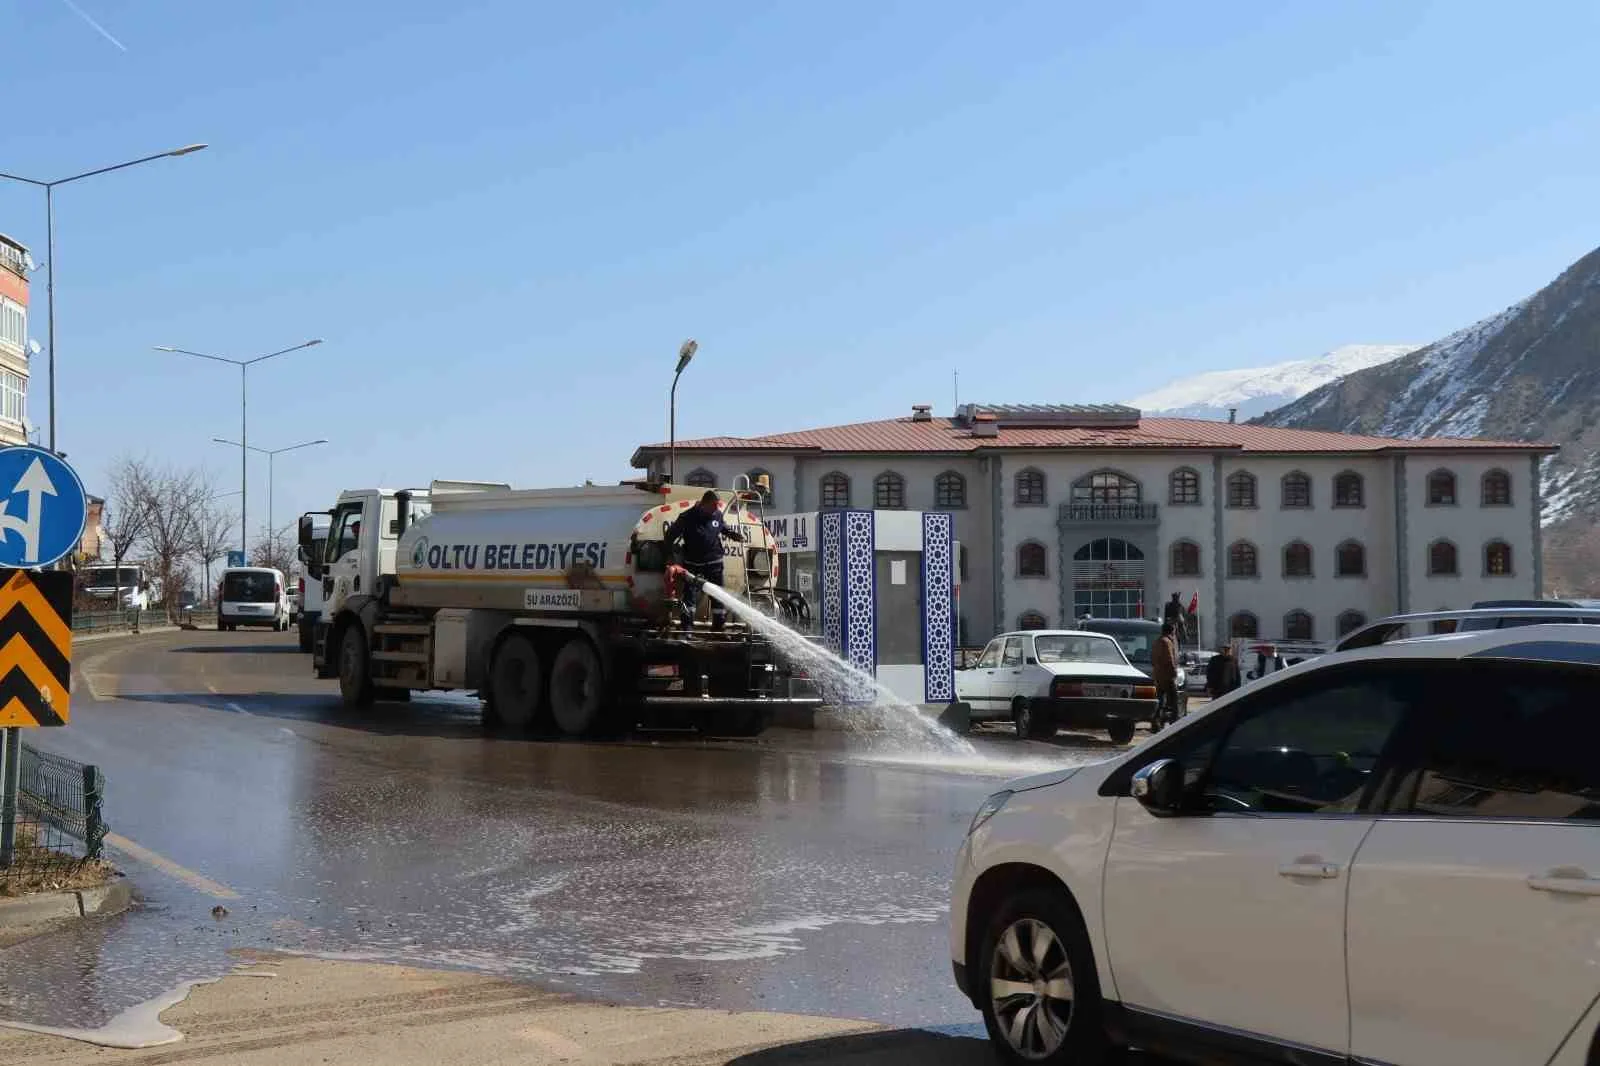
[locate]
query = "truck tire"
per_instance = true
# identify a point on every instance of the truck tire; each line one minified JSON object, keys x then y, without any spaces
{"x":355,"y":667}
{"x":578,"y":689}
{"x":515,"y":696}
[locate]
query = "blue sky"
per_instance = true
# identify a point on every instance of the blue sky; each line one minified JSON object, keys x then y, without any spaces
{"x":503,"y":216}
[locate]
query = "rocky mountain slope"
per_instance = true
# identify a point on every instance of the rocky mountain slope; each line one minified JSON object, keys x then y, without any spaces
{"x":1256,"y":390}
{"x":1531,"y":372}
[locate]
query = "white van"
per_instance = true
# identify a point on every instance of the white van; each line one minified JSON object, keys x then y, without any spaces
{"x":252,"y":596}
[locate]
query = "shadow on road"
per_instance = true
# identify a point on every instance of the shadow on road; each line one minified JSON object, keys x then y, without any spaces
{"x":900,"y":1047}
{"x":237,"y":649}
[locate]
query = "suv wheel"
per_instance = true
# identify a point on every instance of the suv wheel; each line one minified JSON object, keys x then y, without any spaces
{"x":1040,"y":994}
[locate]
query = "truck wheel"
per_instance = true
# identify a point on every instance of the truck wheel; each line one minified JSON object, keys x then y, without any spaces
{"x":515,"y":699}
{"x":355,"y":670}
{"x":578,"y":689}
{"x":1121,"y":731}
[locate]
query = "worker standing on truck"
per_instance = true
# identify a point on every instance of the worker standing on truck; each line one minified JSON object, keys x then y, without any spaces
{"x":701,"y":530}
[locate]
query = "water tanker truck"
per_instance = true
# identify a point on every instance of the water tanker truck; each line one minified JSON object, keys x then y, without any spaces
{"x":560,"y":607}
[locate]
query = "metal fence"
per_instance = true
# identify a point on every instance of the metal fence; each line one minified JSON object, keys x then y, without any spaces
{"x":60,"y":821}
{"x":132,"y":620}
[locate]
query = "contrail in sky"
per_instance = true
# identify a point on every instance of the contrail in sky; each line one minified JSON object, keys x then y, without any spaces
{"x":101,"y":30}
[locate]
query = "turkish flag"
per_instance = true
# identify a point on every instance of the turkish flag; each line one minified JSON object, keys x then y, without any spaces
{"x":1194,"y":603}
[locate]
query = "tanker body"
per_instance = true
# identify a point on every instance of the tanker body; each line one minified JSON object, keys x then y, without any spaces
{"x":558,"y":607}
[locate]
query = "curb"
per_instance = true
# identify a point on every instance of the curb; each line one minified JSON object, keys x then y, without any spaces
{"x":101,"y":902}
{"x":830,"y":719}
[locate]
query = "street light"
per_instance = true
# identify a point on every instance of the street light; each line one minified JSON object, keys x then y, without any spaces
{"x":49,"y":188}
{"x":685,"y":353}
{"x":244,"y":366}
{"x":271,"y":454}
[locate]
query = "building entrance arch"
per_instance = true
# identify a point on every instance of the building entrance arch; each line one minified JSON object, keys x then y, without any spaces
{"x":1108,"y":578}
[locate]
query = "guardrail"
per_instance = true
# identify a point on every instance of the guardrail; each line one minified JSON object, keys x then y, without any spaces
{"x":132,"y":619}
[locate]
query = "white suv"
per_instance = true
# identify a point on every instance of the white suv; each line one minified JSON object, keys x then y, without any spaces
{"x":1381,"y":856}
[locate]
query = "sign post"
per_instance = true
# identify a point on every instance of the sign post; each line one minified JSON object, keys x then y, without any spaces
{"x":43,"y":509}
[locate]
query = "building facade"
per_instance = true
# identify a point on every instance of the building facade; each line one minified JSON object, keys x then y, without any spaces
{"x":1064,"y":511}
{"x":14,"y":262}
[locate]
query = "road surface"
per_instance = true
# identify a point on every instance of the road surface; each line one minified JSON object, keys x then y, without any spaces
{"x":799,"y":872}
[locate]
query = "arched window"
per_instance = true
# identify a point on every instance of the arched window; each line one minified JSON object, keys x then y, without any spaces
{"x":835,"y":491}
{"x":1297,"y":559}
{"x":1031,"y":560}
{"x":1441,"y":489}
{"x":1442,"y":559}
{"x":1497,"y":559}
{"x":1030,"y":488}
{"x":1106,"y":486}
{"x":1031,"y":620}
{"x":1297,"y":625}
{"x":1296,"y":491}
{"x":1183,"y":487}
{"x":701,"y":478}
{"x":1185,"y":559}
{"x":1350,"y":560}
{"x":755,"y":475}
{"x":1241,"y":489}
{"x":1350,"y":621}
{"x":950,"y":491}
{"x":1497,"y":489}
{"x":1349,"y":490}
{"x":1244,"y":625}
{"x":889,"y":491}
{"x":1242,"y":559}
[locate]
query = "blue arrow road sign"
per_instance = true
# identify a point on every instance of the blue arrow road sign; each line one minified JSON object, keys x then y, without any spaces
{"x":43,"y":507}
{"x":236,"y":558}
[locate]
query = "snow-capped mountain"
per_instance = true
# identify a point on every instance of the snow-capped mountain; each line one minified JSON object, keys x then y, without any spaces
{"x":1256,"y":390}
{"x":1531,"y":372}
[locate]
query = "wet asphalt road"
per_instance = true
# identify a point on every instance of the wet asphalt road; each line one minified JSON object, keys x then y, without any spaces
{"x":803,"y":872}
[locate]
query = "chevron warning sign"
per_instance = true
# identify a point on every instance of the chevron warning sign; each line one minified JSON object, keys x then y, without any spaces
{"x":35,"y":647}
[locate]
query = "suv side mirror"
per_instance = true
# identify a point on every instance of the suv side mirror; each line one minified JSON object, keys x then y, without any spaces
{"x":1159,"y":788}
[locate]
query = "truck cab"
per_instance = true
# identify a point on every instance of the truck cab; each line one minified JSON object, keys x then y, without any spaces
{"x":107,"y":582}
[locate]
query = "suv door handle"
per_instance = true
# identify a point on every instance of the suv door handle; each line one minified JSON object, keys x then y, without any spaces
{"x":1309,"y":868}
{"x":1566,"y":881}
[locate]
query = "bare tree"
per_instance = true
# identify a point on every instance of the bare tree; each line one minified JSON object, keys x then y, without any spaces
{"x":176,"y":501}
{"x":126,"y":518}
{"x":213,"y":537}
{"x":272,"y":550}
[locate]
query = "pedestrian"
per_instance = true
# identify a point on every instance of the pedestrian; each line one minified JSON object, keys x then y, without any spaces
{"x":701,"y":530}
{"x":1164,"y":670}
{"x":1174,"y":613}
{"x":1222,"y":673}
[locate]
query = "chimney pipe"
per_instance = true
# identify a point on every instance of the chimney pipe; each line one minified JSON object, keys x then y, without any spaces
{"x":1233,"y":415}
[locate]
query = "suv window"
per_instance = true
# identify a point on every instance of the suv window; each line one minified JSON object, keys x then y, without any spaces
{"x":1013,"y":655}
{"x":991,"y":656}
{"x":1310,"y":746}
{"x":1514,"y":742}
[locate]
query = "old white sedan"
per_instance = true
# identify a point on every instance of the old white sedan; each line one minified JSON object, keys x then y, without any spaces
{"x":1044,"y":680}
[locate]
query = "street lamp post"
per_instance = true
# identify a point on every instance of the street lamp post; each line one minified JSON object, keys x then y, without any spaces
{"x":685,"y":353}
{"x":271,"y":454}
{"x":244,"y":366}
{"x":49,"y":188}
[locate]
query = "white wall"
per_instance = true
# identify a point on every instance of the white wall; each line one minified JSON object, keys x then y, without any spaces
{"x":1271,"y":528}
{"x":1470,"y":526}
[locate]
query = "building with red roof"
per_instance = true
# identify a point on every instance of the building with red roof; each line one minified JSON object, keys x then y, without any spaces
{"x":1067,"y":510}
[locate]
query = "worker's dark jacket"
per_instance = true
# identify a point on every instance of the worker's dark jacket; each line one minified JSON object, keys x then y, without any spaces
{"x":702,"y":537}
{"x":1222,"y":675}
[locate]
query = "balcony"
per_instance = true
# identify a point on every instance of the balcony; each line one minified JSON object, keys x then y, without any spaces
{"x":1109,"y":514}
